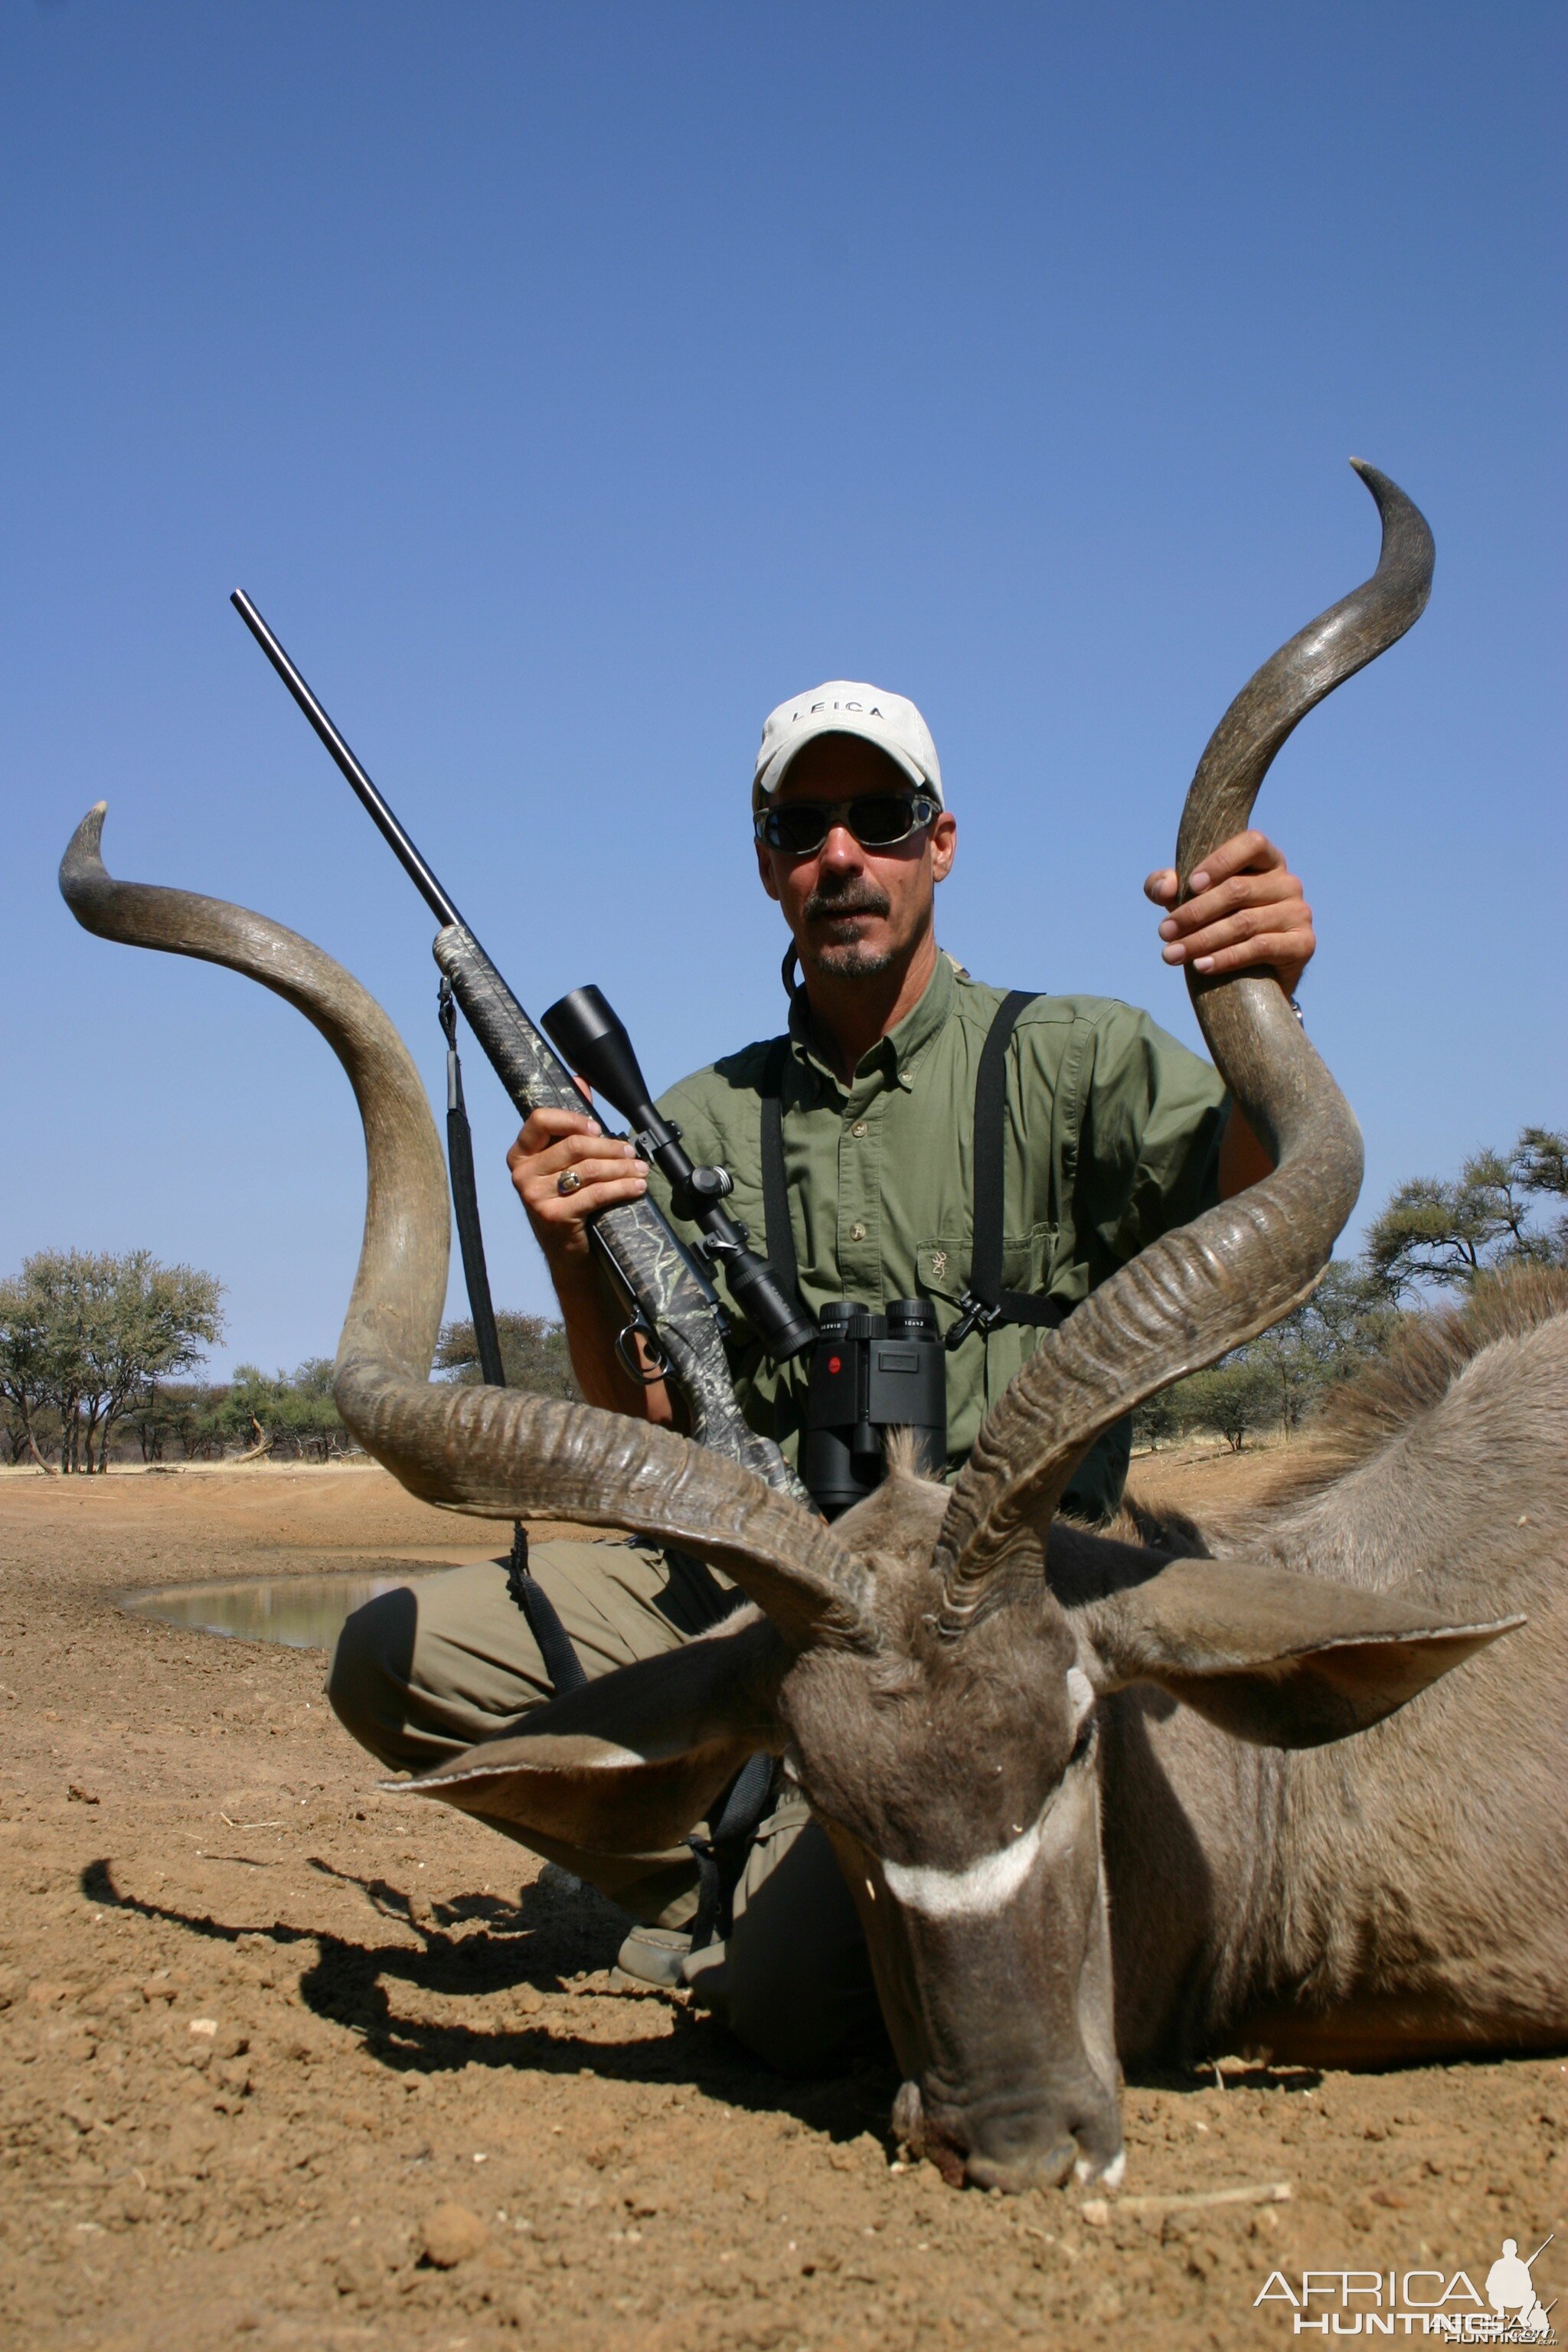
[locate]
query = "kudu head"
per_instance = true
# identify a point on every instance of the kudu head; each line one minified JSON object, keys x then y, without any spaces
{"x":929,"y":1667}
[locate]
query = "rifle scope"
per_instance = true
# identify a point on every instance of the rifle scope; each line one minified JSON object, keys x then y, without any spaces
{"x":592,"y":1039}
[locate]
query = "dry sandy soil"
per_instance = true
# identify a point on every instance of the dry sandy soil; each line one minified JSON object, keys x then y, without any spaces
{"x":259,"y":2026}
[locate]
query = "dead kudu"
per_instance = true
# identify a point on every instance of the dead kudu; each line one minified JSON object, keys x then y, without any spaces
{"x":1086,"y":1791}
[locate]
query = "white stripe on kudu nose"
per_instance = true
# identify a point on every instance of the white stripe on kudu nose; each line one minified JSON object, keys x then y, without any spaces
{"x":986,"y":1884}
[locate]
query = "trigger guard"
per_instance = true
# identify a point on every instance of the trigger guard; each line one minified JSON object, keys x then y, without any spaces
{"x":637,"y":1328}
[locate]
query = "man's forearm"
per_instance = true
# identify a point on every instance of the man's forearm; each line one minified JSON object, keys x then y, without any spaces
{"x":592,"y":1327}
{"x":1243,"y":1161}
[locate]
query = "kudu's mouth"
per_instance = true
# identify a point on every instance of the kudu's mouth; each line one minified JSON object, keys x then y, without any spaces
{"x":1038,"y":2138}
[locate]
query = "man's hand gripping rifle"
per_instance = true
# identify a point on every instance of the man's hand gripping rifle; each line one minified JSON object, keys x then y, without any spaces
{"x":669,"y":1298}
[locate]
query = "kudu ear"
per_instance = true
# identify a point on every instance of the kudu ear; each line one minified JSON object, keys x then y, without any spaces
{"x":1284,"y":1660}
{"x":633,"y":1761}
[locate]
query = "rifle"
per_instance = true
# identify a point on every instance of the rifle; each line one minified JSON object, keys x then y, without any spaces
{"x":669,"y":1300}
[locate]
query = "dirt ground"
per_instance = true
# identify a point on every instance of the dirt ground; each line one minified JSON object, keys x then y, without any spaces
{"x":285,"y":2062}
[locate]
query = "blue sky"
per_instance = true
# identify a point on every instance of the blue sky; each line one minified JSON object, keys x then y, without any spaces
{"x":569,"y":385}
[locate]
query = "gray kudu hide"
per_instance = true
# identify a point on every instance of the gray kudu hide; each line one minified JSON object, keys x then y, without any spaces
{"x":1078,"y":1786}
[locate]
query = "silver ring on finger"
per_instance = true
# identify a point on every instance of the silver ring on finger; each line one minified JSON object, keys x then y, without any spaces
{"x":569,"y":1183}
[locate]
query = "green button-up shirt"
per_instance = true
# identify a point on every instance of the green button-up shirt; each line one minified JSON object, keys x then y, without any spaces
{"x":1114,"y":1134}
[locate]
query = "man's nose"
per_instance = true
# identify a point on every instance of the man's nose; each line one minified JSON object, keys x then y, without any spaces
{"x":840,"y":848}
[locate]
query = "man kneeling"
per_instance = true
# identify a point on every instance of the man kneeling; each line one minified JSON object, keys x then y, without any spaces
{"x":1114,"y":1134}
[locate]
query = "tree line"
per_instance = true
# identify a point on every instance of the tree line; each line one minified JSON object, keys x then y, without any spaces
{"x":95,"y":1348}
{"x":1432,"y":1236}
{"x":84,"y":1337}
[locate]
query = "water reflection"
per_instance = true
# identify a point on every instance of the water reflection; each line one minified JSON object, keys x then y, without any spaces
{"x":304,"y":1613}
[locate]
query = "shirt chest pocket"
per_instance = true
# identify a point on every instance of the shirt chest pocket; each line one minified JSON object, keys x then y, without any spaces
{"x":943,"y":1265}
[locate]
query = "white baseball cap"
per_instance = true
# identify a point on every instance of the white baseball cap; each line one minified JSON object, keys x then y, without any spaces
{"x":843,"y":707}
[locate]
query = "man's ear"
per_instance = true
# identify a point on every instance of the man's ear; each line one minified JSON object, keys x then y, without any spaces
{"x":765,"y":868}
{"x":631,"y":1762}
{"x":944,"y":844}
{"x":1284,"y":1660}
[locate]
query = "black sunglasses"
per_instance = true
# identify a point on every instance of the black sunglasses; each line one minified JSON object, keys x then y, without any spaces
{"x":876,"y":820}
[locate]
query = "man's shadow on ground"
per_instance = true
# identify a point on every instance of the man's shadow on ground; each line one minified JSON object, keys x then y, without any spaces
{"x":558,"y":1926}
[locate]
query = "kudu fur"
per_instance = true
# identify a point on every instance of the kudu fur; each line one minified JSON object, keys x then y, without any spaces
{"x":1058,"y":1769}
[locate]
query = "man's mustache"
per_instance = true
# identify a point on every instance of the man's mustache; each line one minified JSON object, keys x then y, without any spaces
{"x":859,"y":898}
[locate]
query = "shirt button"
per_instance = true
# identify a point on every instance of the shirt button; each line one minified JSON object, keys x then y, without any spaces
{"x":858,"y":1129}
{"x":857,"y":1232}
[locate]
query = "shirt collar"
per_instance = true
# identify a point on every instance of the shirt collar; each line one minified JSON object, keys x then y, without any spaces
{"x":896,"y":1055}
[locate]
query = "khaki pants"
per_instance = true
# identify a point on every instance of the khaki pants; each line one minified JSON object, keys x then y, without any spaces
{"x":448,"y":1661}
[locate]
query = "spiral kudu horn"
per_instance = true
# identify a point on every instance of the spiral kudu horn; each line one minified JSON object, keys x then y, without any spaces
{"x":498,"y":1452}
{"x":1192,"y":1295}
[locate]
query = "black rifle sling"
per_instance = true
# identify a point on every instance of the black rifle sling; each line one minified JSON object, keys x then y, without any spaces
{"x":780,"y":1234}
{"x":559,"y":1660}
{"x":721,"y":1855}
{"x":985,"y":1303}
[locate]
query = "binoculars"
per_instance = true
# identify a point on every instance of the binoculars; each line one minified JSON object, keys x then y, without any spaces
{"x":870,"y":1373}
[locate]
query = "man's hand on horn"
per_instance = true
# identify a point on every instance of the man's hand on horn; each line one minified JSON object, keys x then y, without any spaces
{"x":1246,"y":908}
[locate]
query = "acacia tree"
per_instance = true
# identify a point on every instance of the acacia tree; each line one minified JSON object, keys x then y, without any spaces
{"x":293,"y":1411}
{"x":25,"y":1361}
{"x":191,"y":1412}
{"x":1275,"y":1380}
{"x":1444,"y":1234}
{"x":1348,"y":1319}
{"x":534,"y":1354}
{"x":89,"y":1333}
{"x":1157,"y":1419}
{"x":154,"y":1321}
{"x":1231,"y":1398}
{"x":1431,"y":1232}
{"x":1540,"y":1156}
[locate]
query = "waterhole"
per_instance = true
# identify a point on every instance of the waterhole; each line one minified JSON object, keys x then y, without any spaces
{"x":304,"y":1613}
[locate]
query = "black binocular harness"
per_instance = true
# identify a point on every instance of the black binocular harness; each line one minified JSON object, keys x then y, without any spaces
{"x":984,"y":1303}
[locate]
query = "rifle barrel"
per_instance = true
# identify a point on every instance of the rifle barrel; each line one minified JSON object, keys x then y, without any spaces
{"x":403,"y":849}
